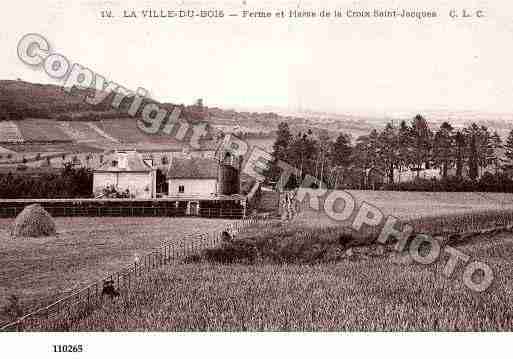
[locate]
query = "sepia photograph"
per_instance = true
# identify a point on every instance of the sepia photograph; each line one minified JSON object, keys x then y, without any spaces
{"x":191,"y":168}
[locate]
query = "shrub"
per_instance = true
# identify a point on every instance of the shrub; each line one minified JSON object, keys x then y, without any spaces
{"x":34,"y":221}
{"x":487,"y":183}
{"x":286,"y":246}
{"x":13,"y":309}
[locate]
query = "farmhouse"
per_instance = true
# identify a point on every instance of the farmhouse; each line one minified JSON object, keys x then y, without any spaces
{"x":126,"y":171}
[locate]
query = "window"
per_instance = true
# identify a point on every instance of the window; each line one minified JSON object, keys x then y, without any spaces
{"x":181,"y":189}
{"x":114,"y":163}
{"x":228,"y":159}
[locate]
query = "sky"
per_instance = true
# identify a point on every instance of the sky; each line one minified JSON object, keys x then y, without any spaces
{"x":360,"y":66}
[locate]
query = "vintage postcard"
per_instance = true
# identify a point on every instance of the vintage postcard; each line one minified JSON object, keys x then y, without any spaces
{"x":308,"y":167}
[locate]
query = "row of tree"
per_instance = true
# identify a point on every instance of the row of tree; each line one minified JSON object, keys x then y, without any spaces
{"x":71,"y":182}
{"x":383,"y":156}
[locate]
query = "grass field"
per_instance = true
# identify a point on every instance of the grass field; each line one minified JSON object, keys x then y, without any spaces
{"x":412,"y":205}
{"x":366,"y":291}
{"x":374,"y":293}
{"x":85,"y":250}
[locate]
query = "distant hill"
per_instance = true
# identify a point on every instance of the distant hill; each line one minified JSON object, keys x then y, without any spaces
{"x":34,"y":114}
{"x":20,"y":100}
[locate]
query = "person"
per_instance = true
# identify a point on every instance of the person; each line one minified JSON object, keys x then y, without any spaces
{"x":108,"y":289}
{"x":226,"y":237}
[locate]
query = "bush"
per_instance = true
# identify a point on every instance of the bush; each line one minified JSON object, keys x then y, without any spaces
{"x":13,"y":309}
{"x":112,"y":192}
{"x":286,"y":246}
{"x":487,"y":183}
{"x":34,"y":221}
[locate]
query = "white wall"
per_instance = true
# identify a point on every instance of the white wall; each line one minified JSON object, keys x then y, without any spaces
{"x":141,"y":185}
{"x":194,"y":187}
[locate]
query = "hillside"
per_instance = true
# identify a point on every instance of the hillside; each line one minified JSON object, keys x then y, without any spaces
{"x":40,"y":117}
{"x":21,"y":100}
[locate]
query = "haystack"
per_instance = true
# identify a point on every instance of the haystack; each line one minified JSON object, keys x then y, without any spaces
{"x":34,"y":221}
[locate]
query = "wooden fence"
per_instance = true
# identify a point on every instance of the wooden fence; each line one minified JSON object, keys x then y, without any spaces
{"x":132,"y":211}
{"x":90,"y":297}
{"x":87,"y":299}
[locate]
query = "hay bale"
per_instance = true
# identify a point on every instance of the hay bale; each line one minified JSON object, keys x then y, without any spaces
{"x":34,"y":221}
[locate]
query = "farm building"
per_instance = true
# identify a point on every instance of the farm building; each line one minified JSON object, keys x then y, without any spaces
{"x":205,"y":184}
{"x":218,"y":175}
{"x":126,"y":170}
{"x":203,"y":177}
{"x":193,"y":177}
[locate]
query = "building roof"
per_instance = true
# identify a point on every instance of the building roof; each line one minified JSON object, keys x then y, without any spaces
{"x":207,"y":145}
{"x":192,"y":168}
{"x":129,"y":161}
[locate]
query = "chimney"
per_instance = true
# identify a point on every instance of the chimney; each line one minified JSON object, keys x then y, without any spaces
{"x":148,"y":161}
{"x":123,"y":160}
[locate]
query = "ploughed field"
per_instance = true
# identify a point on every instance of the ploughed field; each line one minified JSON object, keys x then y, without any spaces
{"x":360,"y":293}
{"x":42,"y":270}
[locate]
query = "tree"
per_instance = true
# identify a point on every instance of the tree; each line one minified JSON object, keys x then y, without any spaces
{"x":479,"y":154}
{"x":421,"y":141}
{"x":388,"y":150}
{"x":443,"y":148}
{"x":303,"y":154}
{"x":486,"y":149}
{"x":404,"y":143}
{"x":341,"y":150}
{"x":280,"y":152}
{"x":341,"y":157}
{"x":323,"y":149}
{"x":496,"y":145}
{"x":508,"y":147}
{"x":460,"y":141}
{"x":472,"y":133}
{"x":365,"y":156}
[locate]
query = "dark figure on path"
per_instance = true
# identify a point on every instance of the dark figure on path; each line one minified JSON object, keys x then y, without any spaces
{"x":108,"y":289}
{"x":226,"y":237}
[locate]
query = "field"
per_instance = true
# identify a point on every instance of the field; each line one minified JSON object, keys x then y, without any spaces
{"x":42,"y":130}
{"x":9,"y":132}
{"x":85,"y":250}
{"x":288,"y":282}
{"x":362,"y":293}
{"x":88,"y":133}
{"x":411,"y":205}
